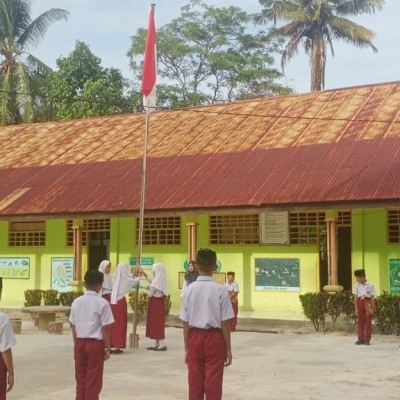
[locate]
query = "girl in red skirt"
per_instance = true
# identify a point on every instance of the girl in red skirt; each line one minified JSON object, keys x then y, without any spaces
{"x":123,"y":282}
{"x":105,"y":268}
{"x":155,"y":325}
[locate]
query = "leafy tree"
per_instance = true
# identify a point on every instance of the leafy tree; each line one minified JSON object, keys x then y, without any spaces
{"x":207,"y":55}
{"x":82,"y":88}
{"x":316,"y":24}
{"x":21,"y":74}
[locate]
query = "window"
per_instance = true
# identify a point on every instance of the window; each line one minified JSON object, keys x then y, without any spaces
{"x":344,"y":218}
{"x":27,"y":234}
{"x":89,"y":225}
{"x":160,"y":230}
{"x":393,"y":224}
{"x":304,"y":227}
{"x":234,"y":229}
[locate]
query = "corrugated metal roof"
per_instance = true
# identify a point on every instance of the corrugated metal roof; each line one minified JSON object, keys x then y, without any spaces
{"x":324,"y":173}
{"x":321,"y":147}
{"x":357,"y":113}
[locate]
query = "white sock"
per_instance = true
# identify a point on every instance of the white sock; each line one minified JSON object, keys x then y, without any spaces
{"x":162,"y":344}
{"x":157,"y":342}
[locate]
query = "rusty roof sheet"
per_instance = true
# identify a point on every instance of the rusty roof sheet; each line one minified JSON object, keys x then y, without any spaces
{"x":322,"y":147}
{"x":319,"y":173}
{"x":359,"y":113}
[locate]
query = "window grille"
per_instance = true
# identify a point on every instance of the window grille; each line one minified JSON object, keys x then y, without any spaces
{"x":160,"y":230}
{"x":27,"y":234}
{"x":234,"y":229}
{"x":393,"y":226}
{"x":89,"y":225}
{"x":304,"y":227}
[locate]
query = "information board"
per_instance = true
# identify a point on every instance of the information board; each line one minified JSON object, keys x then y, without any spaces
{"x":14,"y":267}
{"x":219,"y":277}
{"x":394,"y":268}
{"x":281,"y":274}
{"x":62,"y":272}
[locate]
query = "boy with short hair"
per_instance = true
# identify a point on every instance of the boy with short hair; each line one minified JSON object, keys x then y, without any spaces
{"x":91,"y":318}
{"x":206,"y":310}
{"x":7,"y":341}
{"x":233,"y":291}
{"x":364,"y":300}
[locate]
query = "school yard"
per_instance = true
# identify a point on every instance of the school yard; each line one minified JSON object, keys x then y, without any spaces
{"x":270,"y":366}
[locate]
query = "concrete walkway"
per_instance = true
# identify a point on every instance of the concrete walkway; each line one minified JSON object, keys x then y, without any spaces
{"x":271,"y":366}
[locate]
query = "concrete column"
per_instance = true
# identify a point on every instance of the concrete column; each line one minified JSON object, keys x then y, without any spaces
{"x":77,"y":230}
{"x":192,"y":242}
{"x":332,"y":251}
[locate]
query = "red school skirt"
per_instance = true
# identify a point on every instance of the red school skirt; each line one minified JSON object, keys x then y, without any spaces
{"x":155,"y":325}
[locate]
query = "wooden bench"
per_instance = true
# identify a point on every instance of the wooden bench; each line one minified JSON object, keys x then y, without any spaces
{"x":42,"y":316}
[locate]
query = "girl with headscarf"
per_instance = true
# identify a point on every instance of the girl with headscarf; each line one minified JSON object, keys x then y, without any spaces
{"x":123,"y":282}
{"x":190,"y":276}
{"x":155,"y":325}
{"x":105,"y":268}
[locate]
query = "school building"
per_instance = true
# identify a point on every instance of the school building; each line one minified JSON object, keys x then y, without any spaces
{"x":293,"y":193}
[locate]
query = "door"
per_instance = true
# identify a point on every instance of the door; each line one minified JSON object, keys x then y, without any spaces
{"x":98,"y":248}
{"x":344,"y":256}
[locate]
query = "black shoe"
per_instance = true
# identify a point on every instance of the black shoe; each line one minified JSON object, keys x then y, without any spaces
{"x":152,"y":348}
{"x":367,"y":342}
{"x":117,"y":351}
{"x":161,"y":348}
{"x":360,"y":341}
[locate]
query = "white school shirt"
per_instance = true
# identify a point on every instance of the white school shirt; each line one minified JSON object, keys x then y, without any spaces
{"x":153,"y":292}
{"x":232,"y":287}
{"x":7,"y":338}
{"x":205,"y":304}
{"x":364,"y":290}
{"x":89,"y":313}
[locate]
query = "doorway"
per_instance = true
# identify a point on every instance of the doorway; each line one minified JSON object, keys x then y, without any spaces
{"x":344,"y":256}
{"x":98,"y":248}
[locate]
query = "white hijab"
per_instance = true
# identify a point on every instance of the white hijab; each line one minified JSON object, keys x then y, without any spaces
{"x":159,"y":281}
{"x":107,"y":282}
{"x":122,"y":282}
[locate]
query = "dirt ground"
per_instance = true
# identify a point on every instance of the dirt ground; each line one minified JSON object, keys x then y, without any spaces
{"x":265,"y":366}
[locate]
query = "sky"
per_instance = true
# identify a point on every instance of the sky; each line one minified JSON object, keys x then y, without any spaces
{"x":106,"y":26}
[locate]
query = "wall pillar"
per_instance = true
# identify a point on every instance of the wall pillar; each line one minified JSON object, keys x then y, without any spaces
{"x":332,"y":251}
{"x":192,"y":240}
{"x":77,"y":233}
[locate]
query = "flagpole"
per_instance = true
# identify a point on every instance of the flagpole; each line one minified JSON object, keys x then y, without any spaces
{"x":147,"y":105}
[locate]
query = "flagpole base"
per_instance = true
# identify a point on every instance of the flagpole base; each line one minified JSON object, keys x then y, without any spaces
{"x":134,"y":344}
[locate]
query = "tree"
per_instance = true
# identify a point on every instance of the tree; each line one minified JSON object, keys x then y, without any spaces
{"x":207,"y":55}
{"x":316,"y":24}
{"x":21,"y":74}
{"x":81,"y":87}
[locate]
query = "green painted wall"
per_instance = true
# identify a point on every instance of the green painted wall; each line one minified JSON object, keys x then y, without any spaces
{"x":369,"y":250}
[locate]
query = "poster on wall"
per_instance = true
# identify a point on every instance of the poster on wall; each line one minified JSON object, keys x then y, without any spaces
{"x":394,"y":269}
{"x":281,"y":274}
{"x":219,"y":277}
{"x":62,"y":272}
{"x":14,"y":267}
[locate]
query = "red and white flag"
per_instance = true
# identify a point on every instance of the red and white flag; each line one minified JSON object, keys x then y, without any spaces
{"x":150,"y":67}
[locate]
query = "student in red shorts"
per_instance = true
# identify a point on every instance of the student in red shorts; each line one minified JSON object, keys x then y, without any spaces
{"x":206,"y":312}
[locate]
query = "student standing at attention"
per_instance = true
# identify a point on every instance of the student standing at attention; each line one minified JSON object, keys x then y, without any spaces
{"x":205,"y":311}
{"x":155,"y":323}
{"x":364,"y":301}
{"x":105,"y":268}
{"x":233,"y":291}
{"x":123,"y":282}
{"x":91,"y":318}
{"x":7,"y":340}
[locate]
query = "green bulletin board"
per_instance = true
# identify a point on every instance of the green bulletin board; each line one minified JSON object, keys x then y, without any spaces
{"x":394,"y":267}
{"x":281,"y":274}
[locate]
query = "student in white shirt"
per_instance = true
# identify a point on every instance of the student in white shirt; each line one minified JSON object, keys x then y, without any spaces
{"x":105,"y":268}
{"x":7,"y":341}
{"x":233,"y":291}
{"x":205,"y":311}
{"x":155,"y":324}
{"x":90,"y":318}
{"x":364,"y":300}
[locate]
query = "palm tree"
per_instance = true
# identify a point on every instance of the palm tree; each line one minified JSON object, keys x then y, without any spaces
{"x":21,"y":74}
{"x":315,"y":24}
